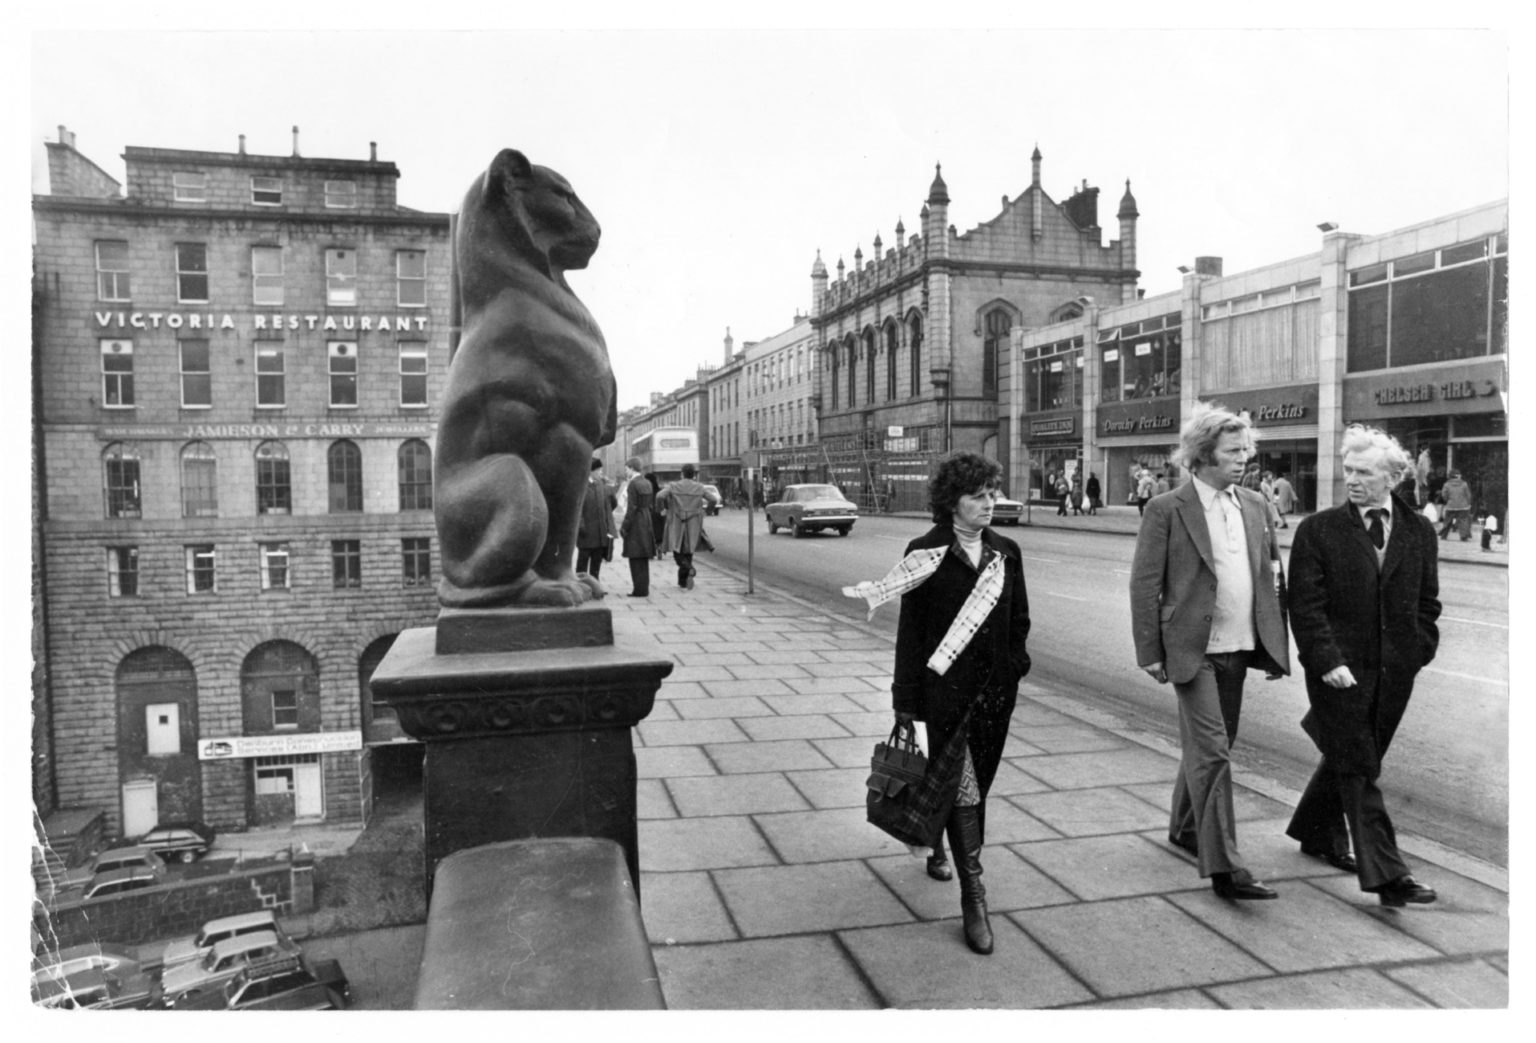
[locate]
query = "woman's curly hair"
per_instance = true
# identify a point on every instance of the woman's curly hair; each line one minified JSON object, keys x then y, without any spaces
{"x":960,"y":475}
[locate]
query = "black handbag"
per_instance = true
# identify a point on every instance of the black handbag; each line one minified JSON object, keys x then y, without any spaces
{"x":909,"y":796}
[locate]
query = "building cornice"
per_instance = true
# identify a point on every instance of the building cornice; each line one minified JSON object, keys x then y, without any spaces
{"x":130,"y":210}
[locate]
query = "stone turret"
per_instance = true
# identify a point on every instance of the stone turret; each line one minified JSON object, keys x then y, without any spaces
{"x":1128,"y":215}
{"x":936,"y":215}
{"x":818,"y":285}
{"x":1037,"y":195}
{"x":730,"y":345}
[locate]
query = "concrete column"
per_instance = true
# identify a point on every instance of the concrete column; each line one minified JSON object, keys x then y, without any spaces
{"x":526,"y":716}
{"x":1093,"y":393}
{"x":1332,"y":346}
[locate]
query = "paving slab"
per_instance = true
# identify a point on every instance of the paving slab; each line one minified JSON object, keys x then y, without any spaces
{"x":701,"y":796}
{"x":781,"y":755}
{"x":664,"y":762}
{"x":755,"y":671}
{"x":671,"y":690}
{"x":869,"y":699}
{"x":652,"y":800}
{"x":1305,"y":929}
{"x":711,"y":672}
{"x":802,"y":899}
{"x":866,"y":694}
{"x":1071,"y":738}
{"x":1469,"y":917}
{"x":926,"y":966}
{"x":684,"y":907}
{"x":806,"y":973}
{"x":1095,"y":868}
{"x":1174,"y":999}
{"x":832,"y":787}
{"x":1246,"y":804}
{"x":1136,"y":945}
{"x":799,"y":726}
{"x":873,"y":723}
{"x":673,"y":845}
{"x":847,"y":753}
{"x":1006,"y":824}
{"x":1010,"y":780}
{"x":1355,"y":988}
{"x":828,"y":835}
{"x":689,"y":733}
{"x":791,"y":656}
{"x":1463,"y":984}
{"x":720,"y":706}
{"x":862,"y":668}
{"x":1029,"y":714}
{"x":1086,"y":812}
{"x":1011,"y":883}
{"x":1109,"y":768}
{"x":661,"y":710}
{"x":757,"y":686}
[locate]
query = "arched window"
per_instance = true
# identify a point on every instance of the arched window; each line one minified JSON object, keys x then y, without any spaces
{"x":892,"y":345}
{"x":994,"y":348}
{"x":915,"y":353}
{"x":199,"y":481}
{"x":853,"y":370}
{"x":274,"y":487}
{"x":415,"y":476}
{"x":373,"y":708}
{"x":280,"y":689}
{"x":835,"y":374}
{"x":869,"y":365}
{"x":121,"y":467}
{"x":344,"y":477}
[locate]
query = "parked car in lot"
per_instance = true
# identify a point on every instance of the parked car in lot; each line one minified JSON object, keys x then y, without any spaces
{"x":225,"y":960}
{"x":806,"y":508}
{"x":97,"y":988}
{"x":179,"y":841}
{"x":1006,"y":511}
{"x":282,"y":983}
{"x":116,"y":881}
{"x":130,"y":857}
{"x":99,"y":956}
{"x":196,"y":946}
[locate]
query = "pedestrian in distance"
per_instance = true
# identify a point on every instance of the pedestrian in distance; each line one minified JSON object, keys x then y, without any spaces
{"x":960,"y":654}
{"x":638,"y":530}
{"x":594,"y":530}
{"x":683,"y":502}
{"x":1077,"y":493}
{"x":658,"y":519}
{"x":1144,"y":488}
{"x":1251,"y":477}
{"x":1285,"y":498}
{"x":1159,"y":485}
{"x":1092,"y":491}
{"x":1457,"y":512}
{"x":1364,"y":603}
{"x":1490,"y":526}
{"x":1205,"y":609}
{"x":1062,"y":490}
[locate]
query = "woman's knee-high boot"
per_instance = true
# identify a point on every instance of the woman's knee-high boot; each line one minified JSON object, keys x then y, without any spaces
{"x":964,"y":830}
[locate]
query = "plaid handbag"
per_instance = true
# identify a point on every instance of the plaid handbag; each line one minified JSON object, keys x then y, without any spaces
{"x":907,"y":795}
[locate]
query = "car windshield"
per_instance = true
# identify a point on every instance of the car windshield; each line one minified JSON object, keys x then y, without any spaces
{"x":817,"y":492}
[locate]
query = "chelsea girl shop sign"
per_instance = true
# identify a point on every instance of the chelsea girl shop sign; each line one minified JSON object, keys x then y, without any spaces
{"x":277,"y":323}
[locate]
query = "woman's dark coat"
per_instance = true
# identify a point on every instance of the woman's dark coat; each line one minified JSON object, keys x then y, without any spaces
{"x":638,"y":529}
{"x":1378,"y":622}
{"x":595,"y":530}
{"x":993,"y":662}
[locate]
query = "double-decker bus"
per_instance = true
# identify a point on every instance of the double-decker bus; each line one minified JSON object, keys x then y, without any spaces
{"x":664,"y":450}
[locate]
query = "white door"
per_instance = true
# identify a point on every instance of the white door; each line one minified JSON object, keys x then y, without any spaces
{"x":308,"y":799}
{"x":162,"y":728}
{"x":141,"y":807}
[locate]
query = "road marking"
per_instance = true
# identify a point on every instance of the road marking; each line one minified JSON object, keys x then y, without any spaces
{"x":1048,"y":561}
{"x":1467,"y":677}
{"x":1069,"y":597}
{"x":1476,"y":622}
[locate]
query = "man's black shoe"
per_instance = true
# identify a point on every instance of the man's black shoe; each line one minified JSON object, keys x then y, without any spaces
{"x":1346,"y":861}
{"x":1406,"y":889}
{"x":1232,"y":886}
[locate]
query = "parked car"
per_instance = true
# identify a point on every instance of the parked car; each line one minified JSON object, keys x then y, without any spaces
{"x":225,"y":960}
{"x":100,"y":956}
{"x":712,"y":508}
{"x":196,"y":946}
{"x":117,"y":881}
{"x":1006,"y":511}
{"x":115,"y":858}
{"x":283,"y":983}
{"x":181,"y":841}
{"x":98,"y":988}
{"x":806,"y":508}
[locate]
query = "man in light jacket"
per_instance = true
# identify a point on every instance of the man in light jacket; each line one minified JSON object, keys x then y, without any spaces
{"x":683,"y":501}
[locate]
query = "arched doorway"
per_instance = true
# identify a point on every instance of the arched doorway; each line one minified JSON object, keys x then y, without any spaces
{"x":157,"y":739}
{"x":280,"y":694}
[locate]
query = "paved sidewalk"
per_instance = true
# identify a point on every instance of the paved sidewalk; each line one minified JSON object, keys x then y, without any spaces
{"x":764,"y":887}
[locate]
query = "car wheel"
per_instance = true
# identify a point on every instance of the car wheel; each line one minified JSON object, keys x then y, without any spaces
{"x":188,"y":857}
{"x":798,"y":530}
{"x":843,"y":530}
{"x":773,"y":527}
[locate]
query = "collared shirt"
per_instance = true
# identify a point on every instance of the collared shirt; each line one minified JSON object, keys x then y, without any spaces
{"x":1232,"y":628}
{"x":1386,"y":526}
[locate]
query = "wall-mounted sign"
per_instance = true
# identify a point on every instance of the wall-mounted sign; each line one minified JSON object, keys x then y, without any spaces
{"x":1295,"y":404}
{"x":1053,"y":427}
{"x":286,"y":429}
{"x":1115,"y":419}
{"x":1468,"y":388}
{"x":175,"y":320}
{"x":238,"y":746}
{"x":894,"y":431}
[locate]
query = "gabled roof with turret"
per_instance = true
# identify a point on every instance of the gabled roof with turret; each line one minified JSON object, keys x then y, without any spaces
{"x":1127,"y":203}
{"x":938,"y":192}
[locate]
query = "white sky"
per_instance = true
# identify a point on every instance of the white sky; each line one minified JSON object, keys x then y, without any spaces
{"x":719,"y":161}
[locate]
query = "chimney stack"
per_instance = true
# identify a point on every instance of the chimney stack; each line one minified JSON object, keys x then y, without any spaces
{"x":295,"y":141}
{"x":373,"y":151}
{"x":242,"y":144}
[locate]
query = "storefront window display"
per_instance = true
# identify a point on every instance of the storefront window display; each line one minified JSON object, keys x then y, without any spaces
{"x":1141,"y":360}
{"x":1053,"y":375}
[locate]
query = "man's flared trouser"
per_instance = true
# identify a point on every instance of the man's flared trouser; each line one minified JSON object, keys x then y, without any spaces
{"x":1202,"y":815}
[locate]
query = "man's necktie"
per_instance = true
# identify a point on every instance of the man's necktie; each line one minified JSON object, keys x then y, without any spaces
{"x":1377,"y":530}
{"x":1232,"y":514}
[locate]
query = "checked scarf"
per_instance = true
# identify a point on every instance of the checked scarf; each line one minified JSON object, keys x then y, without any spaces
{"x":910,"y":572}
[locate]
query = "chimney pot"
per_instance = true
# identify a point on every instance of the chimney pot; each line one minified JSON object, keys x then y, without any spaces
{"x":373,"y":151}
{"x":295,"y":140}
{"x":242,"y":144}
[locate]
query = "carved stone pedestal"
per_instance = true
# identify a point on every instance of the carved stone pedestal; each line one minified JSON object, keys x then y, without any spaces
{"x":526,"y":716}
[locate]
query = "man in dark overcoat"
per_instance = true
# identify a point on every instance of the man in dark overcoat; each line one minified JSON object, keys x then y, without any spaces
{"x":638,"y":529}
{"x":1364,"y":601}
{"x":594,"y":531}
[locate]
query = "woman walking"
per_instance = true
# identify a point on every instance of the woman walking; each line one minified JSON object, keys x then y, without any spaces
{"x":960,"y":653}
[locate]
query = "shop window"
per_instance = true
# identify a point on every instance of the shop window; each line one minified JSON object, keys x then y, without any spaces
{"x":267,"y":191}
{"x":201,"y":574}
{"x":415,"y":461}
{"x":117,"y":374}
{"x":121,"y":469}
{"x":199,"y":481}
{"x":341,"y":195}
{"x":869,"y":366}
{"x":273,"y":779}
{"x":1368,"y":329}
{"x":112,"y":270}
{"x":274,"y":566}
{"x":343,"y":373}
{"x":192,"y":273}
{"x":416,"y":554}
{"x":413,"y":374}
{"x":341,"y":277}
{"x":122,"y":571}
{"x":274,"y":488}
{"x":271,"y":377}
{"x":344,"y":477}
{"x":189,"y":187}
{"x":267,"y":275}
{"x":346,"y":564}
{"x":196,"y":375}
{"x":411,"y":278}
{"x":1440,"y":317}
{"x":1109,"y":375}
